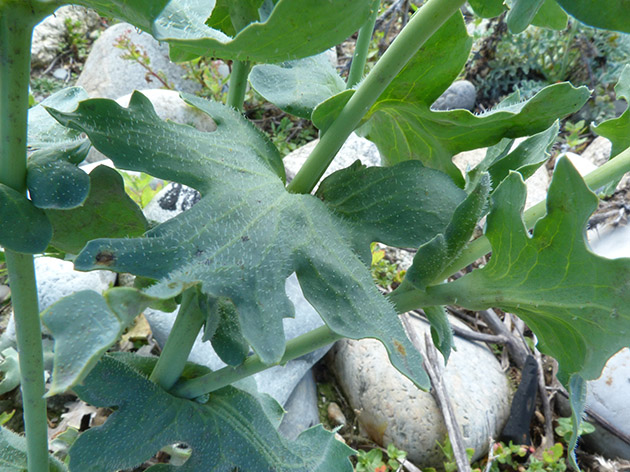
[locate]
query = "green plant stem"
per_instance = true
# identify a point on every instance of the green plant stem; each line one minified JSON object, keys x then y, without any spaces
{"x":426,"y":21}
{"x":16,"y":24}
{"x":180,"y":341}
{"x":361,"y":49}
{"x":295,"y":348}
{"x":238,"y":84}
{"x":410,"y":298}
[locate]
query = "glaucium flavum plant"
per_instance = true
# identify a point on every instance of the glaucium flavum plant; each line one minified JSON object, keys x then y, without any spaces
{"x":225,"y":261}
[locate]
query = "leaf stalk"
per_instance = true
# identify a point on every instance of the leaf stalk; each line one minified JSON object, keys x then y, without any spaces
{"x":299,"y":346}
{"x":361,"y":48}
{"x":426,"y":21}
{"x":180,"y":341}
{"x":238,"y":84}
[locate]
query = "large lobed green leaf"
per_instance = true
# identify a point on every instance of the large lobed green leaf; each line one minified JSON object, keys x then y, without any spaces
{"x":292,"y":30}
{"x":231,"y":431}
{"x":403,"y":126}
{"x":577,"y":303}
{"x":247,"y":234}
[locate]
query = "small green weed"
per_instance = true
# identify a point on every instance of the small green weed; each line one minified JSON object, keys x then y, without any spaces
{"x":207,"y":72}
{"x":373,"y":460}
{"x":575,"y":136}
{"x":76,"y":42}
{"x":565,"y":428}
{"x":384,"y":272}
{"x":288,"y":135}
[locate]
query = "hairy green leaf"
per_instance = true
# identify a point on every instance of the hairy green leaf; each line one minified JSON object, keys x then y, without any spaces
{"x":356,"y":195}
{"x":107,"y":211}
{"x":231,"y":431}
{"x":245,"y":236}
{"x":13,"y":454}
{"x":292,"y":31}
{"x":618,"y":129}
{"x":551,"y":15}
{"x":615,"y":15}
{"x":404,"y":127}
{"x":23,"y":227}
{"x":577,"y":398}
{"x":521,"y":14}
{"x":525,"y":159}
{"x":227,"y":340}
{"x":84,"y":325}
{"x":297,"y":87}
{"x":576,"y":302}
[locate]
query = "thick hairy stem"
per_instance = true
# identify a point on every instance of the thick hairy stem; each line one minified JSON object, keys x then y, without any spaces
{"x":426,"y":21}
{"x":180,"y":341}
{"x":361,"y":49}
{"x":238,"y":84}
{"x":16,"y":24}
{"x":296,"y":347}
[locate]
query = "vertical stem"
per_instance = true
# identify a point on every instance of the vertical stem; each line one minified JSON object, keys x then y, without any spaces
{"x":29,"y":341}
{"x":16,"y":24}
{"x":361,"y":48}
{"x":426,"y":21}
{"x":189,"y":321}
{"x":238,"y":84}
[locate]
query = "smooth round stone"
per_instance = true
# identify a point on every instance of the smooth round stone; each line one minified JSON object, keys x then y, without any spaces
{"x":392,"y":410}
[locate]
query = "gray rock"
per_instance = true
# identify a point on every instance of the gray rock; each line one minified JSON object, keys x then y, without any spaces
{"x":60,"y":73}
{"x":354,"y":148}
{"x":301,"y":408}
{"x":461,"y":94}
{"x":49,"y":36}
{"x":392,"y":410}
{"x":598,"y":152}
{"x":608,"y":395}
{"x":106,"y":74}
{"x":169,"y":106}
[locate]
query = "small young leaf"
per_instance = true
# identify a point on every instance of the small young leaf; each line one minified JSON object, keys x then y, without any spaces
{"x":10,"y":369}
{"x":23,"y":227}
{"x":441,"y":331}
{"x":227,"y":340}
{"x":522,"y":13}
{"x":107,"y":211}
{"x":245,"y":236}
{"x":616,"y":15}
{"x":525,"y":159}
{"x":231,"y":431}
{"x":551,"y":15}
{"x":297,"y":87}
{"x":577,"y":397}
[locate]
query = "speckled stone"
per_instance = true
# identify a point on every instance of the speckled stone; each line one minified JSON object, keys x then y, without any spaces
{"x":392,"y":410}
